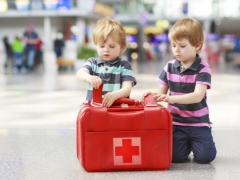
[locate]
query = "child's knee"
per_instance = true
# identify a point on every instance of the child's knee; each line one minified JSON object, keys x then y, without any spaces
{"x":205,"y":158}
{"x":177,"y":158}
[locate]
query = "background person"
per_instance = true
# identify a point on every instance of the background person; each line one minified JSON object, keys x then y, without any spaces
{"x":236,"y":51}
{"x":18,"y":49}
{"x":30,"y":39}
{"x":39,"y":55}
{"x":8,"y":52}
{"x":58,"y":45}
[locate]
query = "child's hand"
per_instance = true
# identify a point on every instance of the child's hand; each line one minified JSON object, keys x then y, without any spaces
{"x":146,"y":93}
{"x":163,"y":97}
{"x":95,"y":81}
{"x":109,"y":98}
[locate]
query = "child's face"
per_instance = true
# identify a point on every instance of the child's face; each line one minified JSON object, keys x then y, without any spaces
{"x":109,"y":50}
{"x":183,"y":50}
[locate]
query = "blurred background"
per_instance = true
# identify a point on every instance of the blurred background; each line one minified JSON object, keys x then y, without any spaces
{"x":44,"y":42}
{"x":64,"y":29}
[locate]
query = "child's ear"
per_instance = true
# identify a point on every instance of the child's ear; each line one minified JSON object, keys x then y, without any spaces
{"x":199,"y":46}
{"x":122,"y":48}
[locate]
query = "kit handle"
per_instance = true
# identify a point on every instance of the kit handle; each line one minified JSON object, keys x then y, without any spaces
{"x":150,"y":101}
{"x":97,"y":99}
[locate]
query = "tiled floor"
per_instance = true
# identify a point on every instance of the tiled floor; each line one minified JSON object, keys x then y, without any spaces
{"x":38,"y":116}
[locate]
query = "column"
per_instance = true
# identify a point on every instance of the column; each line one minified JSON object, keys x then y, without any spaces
{"x":206,"y":26}
{"x":81,"y":26}
{"x":49,"y":57}
{"x":91,"y":26}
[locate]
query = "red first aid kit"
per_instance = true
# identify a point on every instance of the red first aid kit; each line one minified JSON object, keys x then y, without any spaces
{"x":129,"y":135}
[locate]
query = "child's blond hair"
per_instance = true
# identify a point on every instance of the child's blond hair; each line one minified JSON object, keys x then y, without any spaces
{"x":106,"y":27}
{"x":190,"y":29}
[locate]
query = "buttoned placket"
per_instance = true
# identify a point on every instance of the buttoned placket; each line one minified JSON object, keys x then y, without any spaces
{"x":181,"y":77}
{"x":181,"y":69}
{"x":105,"y":75}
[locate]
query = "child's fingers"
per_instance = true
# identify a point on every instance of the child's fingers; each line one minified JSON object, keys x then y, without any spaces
{"x":146,"y":93}
{"x":160,"y":97}
{"x":156,"y":96}
{"x":96,"y":83}
{"x":166,"y":99}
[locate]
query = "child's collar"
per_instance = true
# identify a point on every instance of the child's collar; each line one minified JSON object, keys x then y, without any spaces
{"x":194,"y":65}
{"x":99,"y":61}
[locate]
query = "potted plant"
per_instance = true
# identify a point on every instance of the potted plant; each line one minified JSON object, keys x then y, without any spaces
{"x":84,"y":52}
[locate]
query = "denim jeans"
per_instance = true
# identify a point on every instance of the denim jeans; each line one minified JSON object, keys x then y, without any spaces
{"x":30,"y":58}
{"x":18,"y":60}
{"x":199,"y":140}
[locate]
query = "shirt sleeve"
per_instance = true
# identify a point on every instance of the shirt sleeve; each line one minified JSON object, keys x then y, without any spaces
{"x":204,"y":77}
{"x":127,"y":73}
{"x":88,"y":65}
{"x":163,"y":79}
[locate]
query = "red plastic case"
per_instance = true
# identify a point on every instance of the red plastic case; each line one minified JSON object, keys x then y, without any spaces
{"x":130,"y":135}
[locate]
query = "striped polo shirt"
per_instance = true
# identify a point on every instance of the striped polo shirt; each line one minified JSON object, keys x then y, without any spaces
{"x":113,"y":74}
{"x":184,"y":82}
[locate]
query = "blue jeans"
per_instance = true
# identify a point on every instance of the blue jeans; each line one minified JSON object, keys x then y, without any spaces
{"x":30,"y":58}
{"x":58,"y":52}
{"x":18,"y":60}
{"x":199,"y":140}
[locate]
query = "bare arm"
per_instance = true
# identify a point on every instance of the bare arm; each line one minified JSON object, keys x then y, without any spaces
{"x":163,"y":89}
{"x":29,"y":41}
{"x":189,"y":98}
{"x":83,"y":74}
{"x":32,"y":41}
{"x":125,"y":91}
